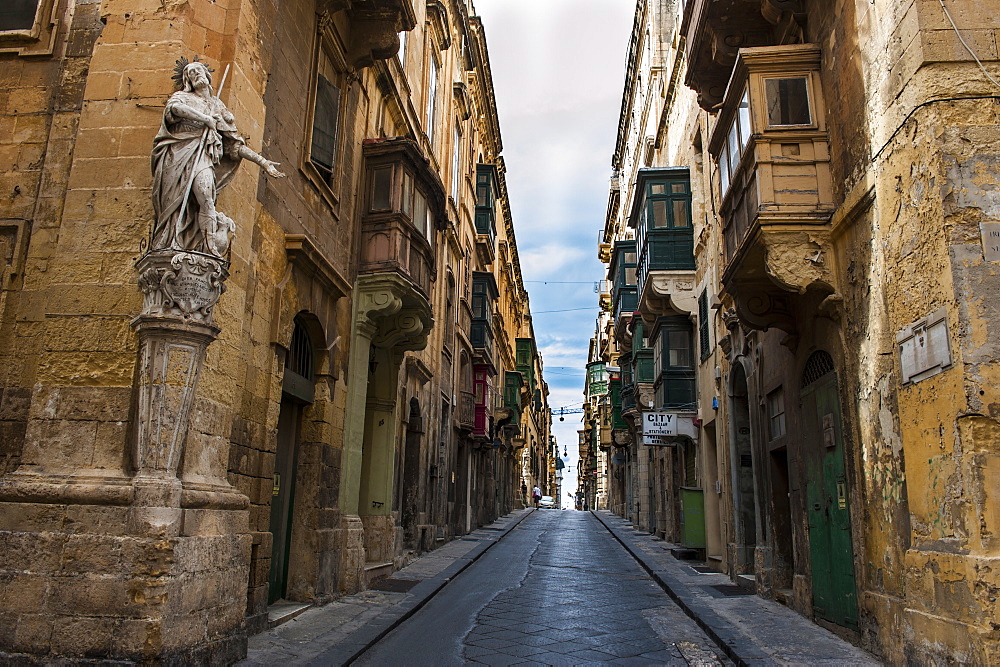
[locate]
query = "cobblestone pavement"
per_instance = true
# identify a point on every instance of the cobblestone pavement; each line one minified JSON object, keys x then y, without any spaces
{"x":558,"y":590}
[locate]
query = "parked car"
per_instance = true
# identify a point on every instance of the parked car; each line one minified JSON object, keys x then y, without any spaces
{"x":547,"y":502}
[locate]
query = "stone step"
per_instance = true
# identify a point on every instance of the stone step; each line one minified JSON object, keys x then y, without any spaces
{"x":747,"y":581}
{"x":375,"y":571}
{"x":283,"y":611}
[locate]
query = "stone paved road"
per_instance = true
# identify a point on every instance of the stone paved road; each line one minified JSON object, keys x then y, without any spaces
{"x":558,"y":590}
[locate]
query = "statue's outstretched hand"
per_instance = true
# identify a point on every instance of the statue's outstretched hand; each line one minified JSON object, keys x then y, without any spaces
{"x":271,"y":169}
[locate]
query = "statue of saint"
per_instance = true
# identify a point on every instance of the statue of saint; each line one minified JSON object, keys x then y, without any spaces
{"x":195,"y":154}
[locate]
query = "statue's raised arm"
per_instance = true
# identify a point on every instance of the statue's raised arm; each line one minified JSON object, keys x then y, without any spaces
{"x":195,"y":154}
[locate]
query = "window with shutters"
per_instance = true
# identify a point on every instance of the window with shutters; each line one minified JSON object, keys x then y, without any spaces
{"x":432,"y":86}
{"x":326,"y":120}
{"x":321,"y":160}
{"x":776,"y":413}
{"x":456,"y":164}
{"x":704,"y":322}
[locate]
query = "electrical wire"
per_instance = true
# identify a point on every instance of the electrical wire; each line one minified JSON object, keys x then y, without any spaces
{"x":966,"y":45}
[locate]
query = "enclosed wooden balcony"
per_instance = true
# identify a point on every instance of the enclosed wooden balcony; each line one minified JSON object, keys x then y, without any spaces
{"x":773,"y":161}
{"x":404,"y":208}
{"x":484,"y":296}
{"x":661,"y":216}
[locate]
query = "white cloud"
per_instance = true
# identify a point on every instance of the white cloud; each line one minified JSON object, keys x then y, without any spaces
{"x":558,"y":70}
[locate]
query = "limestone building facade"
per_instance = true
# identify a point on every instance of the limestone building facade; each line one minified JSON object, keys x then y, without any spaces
{"x":802,"y":265}
{"x":359,"y":394}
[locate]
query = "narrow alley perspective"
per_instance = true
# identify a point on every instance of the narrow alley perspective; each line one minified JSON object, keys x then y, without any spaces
{"x":548,"y":332}
{"x":553,"y":588}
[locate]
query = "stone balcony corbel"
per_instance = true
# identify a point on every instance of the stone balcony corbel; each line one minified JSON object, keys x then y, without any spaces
{"x":666,"y":292}
{"x":375,"y":27}
{"x":777,"y":268}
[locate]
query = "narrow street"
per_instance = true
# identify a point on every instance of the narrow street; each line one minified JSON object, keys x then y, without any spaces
{"x":559,"y":589}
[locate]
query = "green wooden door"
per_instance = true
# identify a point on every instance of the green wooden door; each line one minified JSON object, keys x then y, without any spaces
{"x":692,"y":518}
{"x":831,"y":554}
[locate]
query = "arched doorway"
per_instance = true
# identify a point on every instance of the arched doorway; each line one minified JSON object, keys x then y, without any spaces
{"x":827,"y":499}
{"x":297,"y":390}
{"x":411,"y":475}
{"x":745,"y":499}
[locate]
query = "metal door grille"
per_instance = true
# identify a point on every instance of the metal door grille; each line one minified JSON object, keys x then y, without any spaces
{"x":300,"y":354}
{"x":820,"y":363}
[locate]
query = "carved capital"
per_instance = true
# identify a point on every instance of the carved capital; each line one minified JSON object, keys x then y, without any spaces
{"x":183,"y":285}
{"x":666,"y":292}
{"x":392,"y":312}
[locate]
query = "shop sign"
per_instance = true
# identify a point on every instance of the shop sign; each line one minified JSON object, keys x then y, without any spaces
{"x":659,"y":423}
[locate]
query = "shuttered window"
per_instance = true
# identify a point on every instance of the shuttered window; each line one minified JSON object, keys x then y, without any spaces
{"x":704,"y":336}
{"x":18,"y":14}
{"x":326,"y":117}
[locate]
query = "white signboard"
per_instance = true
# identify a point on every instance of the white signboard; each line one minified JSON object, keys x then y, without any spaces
{"x":659,"y":423}
{"x":658,"y":440}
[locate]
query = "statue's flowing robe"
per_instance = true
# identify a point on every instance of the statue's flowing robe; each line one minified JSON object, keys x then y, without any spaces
{"x":183,"y":148}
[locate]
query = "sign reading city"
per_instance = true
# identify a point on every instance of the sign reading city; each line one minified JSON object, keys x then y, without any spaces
{"x":659,"y":423}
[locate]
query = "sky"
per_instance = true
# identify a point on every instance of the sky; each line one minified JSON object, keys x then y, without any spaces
{"x":558,"y":72}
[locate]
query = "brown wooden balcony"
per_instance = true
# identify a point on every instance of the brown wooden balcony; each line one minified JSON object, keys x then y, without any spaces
{"x":771,"y":149}
{"x":394,"y":245}
{"x":404,"y":207}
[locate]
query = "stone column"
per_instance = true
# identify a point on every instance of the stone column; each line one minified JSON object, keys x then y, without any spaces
{"x":180,"y":289}
{"x":390,"y":316}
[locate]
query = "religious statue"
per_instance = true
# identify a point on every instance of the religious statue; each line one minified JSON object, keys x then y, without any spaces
{"x":195,"y":154}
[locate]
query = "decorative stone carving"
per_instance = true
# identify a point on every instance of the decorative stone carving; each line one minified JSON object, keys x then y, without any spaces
{"x":394,"y":314}
{"x":667,"y":291}
{"x":195,"y":155}
{"x":186,"y":285}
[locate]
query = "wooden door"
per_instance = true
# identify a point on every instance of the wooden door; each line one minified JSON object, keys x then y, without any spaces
{"x":830,"y":549}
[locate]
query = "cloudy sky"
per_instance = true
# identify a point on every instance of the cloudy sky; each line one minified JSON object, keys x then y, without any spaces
{"x":558,"y":69}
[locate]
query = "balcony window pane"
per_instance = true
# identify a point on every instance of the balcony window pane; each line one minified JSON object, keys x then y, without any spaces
{"x":419,"y":211}
{"x":678,"y":187}
{"x":630,"y":258}
{"x":657,"y":189}
{"x":381,"y":188}
{"x":787,"y":101}
{"x":479,"y":306}
{"x":733,"y":144}
{"x":724,"y":170}
{"x":681,"y":213}
{"x":407,"y":193}
{"x":776,"y":413}
{"x":630,"y":275}
{"x":744,"y":120}
{"x":680,"y":349}
{"x":483,"y":189}
{"x":659,"y":214}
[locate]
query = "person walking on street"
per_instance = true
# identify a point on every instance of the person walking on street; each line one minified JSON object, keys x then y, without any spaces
{"x":536,"y":495}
